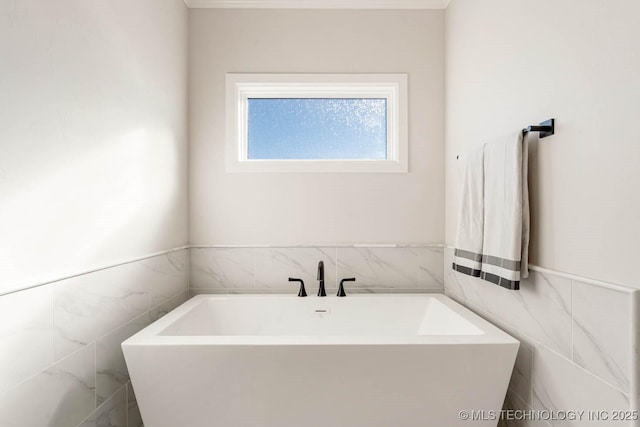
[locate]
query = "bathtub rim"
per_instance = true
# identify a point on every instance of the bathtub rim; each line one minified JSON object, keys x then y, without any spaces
{"x":150,"y":336}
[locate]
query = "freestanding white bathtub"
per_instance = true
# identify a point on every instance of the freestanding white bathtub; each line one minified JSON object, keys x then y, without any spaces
{"x":284,"y":361}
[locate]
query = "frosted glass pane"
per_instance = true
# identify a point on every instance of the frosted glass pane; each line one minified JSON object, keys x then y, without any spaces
{"x":317,"y":128}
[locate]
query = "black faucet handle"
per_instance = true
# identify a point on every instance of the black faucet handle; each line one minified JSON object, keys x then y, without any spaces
{"x":341,"y":292}
{"x":302,"y":292}
{"x":320,"y":275}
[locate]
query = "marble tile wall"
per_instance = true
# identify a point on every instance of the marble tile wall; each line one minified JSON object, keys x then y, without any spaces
{"x":579,"y":343}
{"x":266,"y":270}
{"x":60,"y":343}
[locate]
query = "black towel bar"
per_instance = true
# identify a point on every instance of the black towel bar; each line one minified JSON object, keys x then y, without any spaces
{"x":546,"y":128}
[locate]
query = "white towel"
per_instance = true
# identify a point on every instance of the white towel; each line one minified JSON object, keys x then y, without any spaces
{"x":469,"y":240}
{"x":506,"y":212}
{"x":502,"y":211}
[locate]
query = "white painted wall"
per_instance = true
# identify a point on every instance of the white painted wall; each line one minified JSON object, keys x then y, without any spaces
{"x":93,"y":138}
{"x":291,"y":209}
{"x":510,"y":64}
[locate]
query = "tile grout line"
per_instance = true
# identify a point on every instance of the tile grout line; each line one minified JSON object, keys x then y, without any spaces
{"x":635,"y":346}
{"x":51,"y":298}
{"x":540,"y":344}
{"x":573,"y":358}
{"x":126,"y":403}
{"x":103,"y":403}
{"x":352,"y":245}
{"x":95,"y":376}
{"x":53,"y":324}
{"x":570,"y":360}
{"x":533,"y":366}
{"x":148,"y":312}
{"x":337,"y":265}
{"x":127,"y":322}
{"x":189,"y":271}
{"x":529,"y":407}
{"x":66,"y":276}
{"x":253,"y":268}
{"x":513,"y":392}
{"x":583,"y":369}
{"x":93,"y":342}
{"x":51,"y":365}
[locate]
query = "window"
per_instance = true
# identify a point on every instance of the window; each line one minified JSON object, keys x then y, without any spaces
{"x":316,"y":123}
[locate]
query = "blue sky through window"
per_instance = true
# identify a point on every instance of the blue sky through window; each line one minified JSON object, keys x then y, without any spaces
{"x":317,"y":128}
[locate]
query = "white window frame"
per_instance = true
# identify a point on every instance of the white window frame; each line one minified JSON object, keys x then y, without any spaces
{"x":241,"y":87}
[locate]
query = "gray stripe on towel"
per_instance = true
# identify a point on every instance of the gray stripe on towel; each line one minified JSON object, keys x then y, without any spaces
{"x":493,"y":278}
{"x":466,"y":270}
{"x":468,"y":255}
{"x":507,"y":264}
{"x":501,"y":281}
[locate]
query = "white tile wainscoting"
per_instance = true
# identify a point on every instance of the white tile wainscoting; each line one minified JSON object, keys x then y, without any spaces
{"x":388,"y":268}
{"x":579,"y":342}
{"x":60,"y":342}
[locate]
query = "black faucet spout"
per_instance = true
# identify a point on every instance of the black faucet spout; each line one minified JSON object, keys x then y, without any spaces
{"x":320,"y":277}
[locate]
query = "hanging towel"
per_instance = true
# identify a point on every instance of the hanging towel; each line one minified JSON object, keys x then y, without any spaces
{"x":493,"y":223}
{"x":506,"y":212}
{"x":468,"y":251}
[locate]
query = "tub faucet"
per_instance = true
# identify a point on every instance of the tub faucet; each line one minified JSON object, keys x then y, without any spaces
{"x":321,"y":291}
